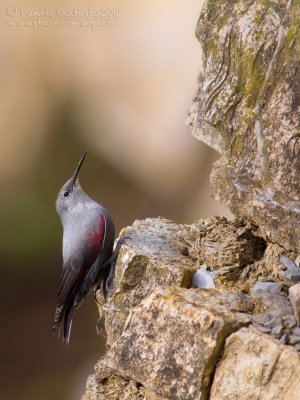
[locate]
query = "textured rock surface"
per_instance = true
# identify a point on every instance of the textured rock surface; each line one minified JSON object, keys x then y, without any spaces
{"x":160,"y":252}
{"x":256,"y":367}
{"x":222,"y":243}
{"x":166,"y":339}
{"x":276,"y":316}
{"x":172,"y":340}
{"x":107,"y":385}
{"x":247,"y":108}
{"x":294,"y":293}
{"x":292,"y":271}
{"x":151,"y":257}
{"x":225,"y":247}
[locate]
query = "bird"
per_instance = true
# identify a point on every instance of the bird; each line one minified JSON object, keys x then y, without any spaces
{"x":88,"y":239}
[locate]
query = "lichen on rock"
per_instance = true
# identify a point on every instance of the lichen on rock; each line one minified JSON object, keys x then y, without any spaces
{"x":247,"y":108}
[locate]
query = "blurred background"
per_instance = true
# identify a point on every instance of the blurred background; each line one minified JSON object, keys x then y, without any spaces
{"x":117,"y":84}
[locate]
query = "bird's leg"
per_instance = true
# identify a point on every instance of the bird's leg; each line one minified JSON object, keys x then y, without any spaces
{"x":296,"y":139}
{"x":111,"y":265}
{"x":95,"y":292}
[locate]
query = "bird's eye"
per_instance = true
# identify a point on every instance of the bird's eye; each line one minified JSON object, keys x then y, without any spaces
{"x":66,"y":194}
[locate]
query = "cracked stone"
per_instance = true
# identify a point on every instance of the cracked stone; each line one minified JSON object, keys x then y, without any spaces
{"x":256,"y":366}
{"x":294,"y":293}
{"x":271,"y":287}
{"x":276,"y":308}
{"x":247,"y":108}
{"x":296,"y":331}
{"x":276,"y":331}
{"x":152,"y":257}
{"x":172,"y":340}
{"x":293,"y":339}
{"x":264,"y":329}
{"x":284,"y":339}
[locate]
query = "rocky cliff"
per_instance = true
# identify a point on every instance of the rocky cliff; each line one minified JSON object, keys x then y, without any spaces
{"x":211,"y":310}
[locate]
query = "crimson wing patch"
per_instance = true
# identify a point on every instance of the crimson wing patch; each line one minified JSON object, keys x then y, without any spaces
{"x":75,"y":269}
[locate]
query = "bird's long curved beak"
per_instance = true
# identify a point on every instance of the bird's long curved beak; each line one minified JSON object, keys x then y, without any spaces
{"x":74,"y":177}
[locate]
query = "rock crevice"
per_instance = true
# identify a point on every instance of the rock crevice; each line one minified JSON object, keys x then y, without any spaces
{"x":247,"y":108}
{"x":165,"y":338}
{"x":211,"y":310}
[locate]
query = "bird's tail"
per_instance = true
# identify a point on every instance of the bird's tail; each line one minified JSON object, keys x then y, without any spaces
{"x":68,"y":317}
{"x":65,"y":314}
{"x":59,"y":313}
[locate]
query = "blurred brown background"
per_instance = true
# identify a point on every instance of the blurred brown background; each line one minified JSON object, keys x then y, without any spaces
{"x":121,"y":93}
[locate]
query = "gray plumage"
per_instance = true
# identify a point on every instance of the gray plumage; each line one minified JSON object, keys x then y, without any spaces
{"x":88,"y":237}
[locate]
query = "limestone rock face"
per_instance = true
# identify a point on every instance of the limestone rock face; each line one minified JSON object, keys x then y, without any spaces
{"x":172,"y":340}
{"x":247,"y":108}
{"x":105,"y":384}
{"x":255,"y":367}
{"x":160,"y":252}
{"x":151,"y":257}
{"x":165,"y":339}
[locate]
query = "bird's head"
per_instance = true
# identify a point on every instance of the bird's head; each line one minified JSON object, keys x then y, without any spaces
{"x":71,"y":192}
